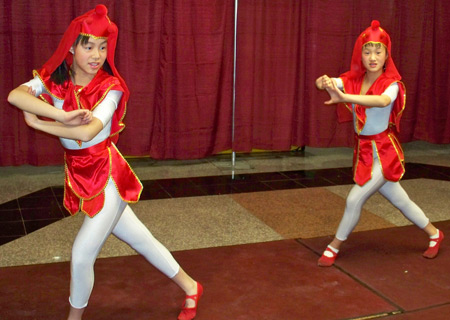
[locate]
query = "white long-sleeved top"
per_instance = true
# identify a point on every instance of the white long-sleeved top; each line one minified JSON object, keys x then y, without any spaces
{"x":377,"y":118}
{"x":104,"y":112}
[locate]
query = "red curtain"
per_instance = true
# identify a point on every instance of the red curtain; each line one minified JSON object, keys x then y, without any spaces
{"x":177,"y":59}
{"x":178,"y":64}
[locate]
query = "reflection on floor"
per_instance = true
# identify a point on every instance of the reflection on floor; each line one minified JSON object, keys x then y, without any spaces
{"x":251,"y":233}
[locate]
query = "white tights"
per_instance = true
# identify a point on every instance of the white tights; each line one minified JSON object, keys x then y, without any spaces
{"x":392,"y":191}
{"x":117,"y":218}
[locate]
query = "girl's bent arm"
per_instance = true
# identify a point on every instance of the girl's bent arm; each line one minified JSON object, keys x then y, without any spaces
{"x":373,"y":101}
{"x":22,"y":99}
{"x":84,"y":132}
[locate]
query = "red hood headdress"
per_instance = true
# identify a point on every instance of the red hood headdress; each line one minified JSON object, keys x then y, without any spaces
{"x":353,"y":78}
{"x":94,"y":23}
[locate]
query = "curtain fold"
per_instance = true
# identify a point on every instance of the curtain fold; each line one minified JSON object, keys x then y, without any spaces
{"x":177,"y":59}
{"x":195,"y":80}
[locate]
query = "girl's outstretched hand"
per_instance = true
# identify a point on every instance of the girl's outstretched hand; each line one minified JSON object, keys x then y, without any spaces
{"x":323,"y":82}
{"x":336,"y":95}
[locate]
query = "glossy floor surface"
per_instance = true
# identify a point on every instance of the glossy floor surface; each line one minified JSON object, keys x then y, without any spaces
{"x":251,"y":233}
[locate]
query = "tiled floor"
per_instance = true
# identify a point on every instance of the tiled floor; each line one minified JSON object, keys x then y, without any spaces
{"x":275,"y":210}
{"x":36,"y":210}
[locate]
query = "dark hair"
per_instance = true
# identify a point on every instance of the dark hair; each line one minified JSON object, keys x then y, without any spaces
{"x":61,"y":73}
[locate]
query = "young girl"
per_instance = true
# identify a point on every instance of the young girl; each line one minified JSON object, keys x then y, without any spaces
{"x":90,"y":98}
{"x":375,"y":97}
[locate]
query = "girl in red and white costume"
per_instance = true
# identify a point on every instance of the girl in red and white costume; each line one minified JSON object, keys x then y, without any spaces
{"x":372,"y":94}
{"x":86,"y":96}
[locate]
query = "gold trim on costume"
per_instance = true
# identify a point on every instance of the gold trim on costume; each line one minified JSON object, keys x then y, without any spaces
{"x":35,"y":73}
{"x":103,"y":96}
{"x":92,"y":36}
{"x":379,"y":159}
{"x":375,"y":42}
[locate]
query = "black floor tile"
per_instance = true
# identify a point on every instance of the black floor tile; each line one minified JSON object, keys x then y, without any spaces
{"x":37,"y":202}
{"x":339,"y":179}
{"x":10,"y":205}
{"x":217,"y":189}
{"x":54,"y":212}
{"x":44,"y":193}
{"x":301,"y":174}
{"x":250,"y":187}
{"x":264,"y":176}
{"x":211,"y":180}
{"x":178,"y":191}
{"x":415,"y":171}
{"x":182,"y":187}
{"x":14,"y":228}
{"x":4,"y":240}
{"x":65,"y":212}
{"x":34,"y":225}
{"x":173,"y":183}
{"x":58,"y":191}
{"x":283,"y":184}
{"x":10,"y":215}
{"x":316,"y":182}
{"x":154,"y":193}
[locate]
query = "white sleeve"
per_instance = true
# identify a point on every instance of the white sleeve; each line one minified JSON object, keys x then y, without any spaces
{"x":36,"y":85}
{"x":392,"y":91}
{"x":105,"y":110}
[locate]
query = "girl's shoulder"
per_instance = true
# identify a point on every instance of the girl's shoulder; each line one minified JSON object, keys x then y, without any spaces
{"x":105,"y":81}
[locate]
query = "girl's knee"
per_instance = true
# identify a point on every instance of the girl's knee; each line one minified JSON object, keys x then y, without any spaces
{"x":78,"y":263}
{"x":352,"y":201}
{"x":81,"y":259}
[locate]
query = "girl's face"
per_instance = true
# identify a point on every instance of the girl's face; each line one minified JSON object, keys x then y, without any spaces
{"x":88,"y":58}
{"x":374,"y":58}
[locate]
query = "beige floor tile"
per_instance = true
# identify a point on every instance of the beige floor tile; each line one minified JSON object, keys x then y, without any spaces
{"x":432,"y":196}
{"x":303,"y":213}
{"x":179,"y":224}
{"x":201,"y":222}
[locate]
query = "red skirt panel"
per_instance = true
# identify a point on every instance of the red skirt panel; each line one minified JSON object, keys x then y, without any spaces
{"x":87,"y":172}
{"x":389,"y":152}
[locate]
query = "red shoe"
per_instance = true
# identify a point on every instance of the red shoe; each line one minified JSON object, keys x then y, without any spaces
{"x":433,"y":249}
{"x":189,"y":313}
{"x":327,"y":258}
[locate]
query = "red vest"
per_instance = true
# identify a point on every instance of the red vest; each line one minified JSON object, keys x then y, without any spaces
{"x":388,"y":147}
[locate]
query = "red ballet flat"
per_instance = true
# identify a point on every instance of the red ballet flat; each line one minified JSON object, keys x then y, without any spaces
{"x":433,"y":248}
{"x":325,"y":261}
{"x":190,"y":313}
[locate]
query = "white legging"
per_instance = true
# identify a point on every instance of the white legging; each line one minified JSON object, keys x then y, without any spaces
{"x":116,"y":217}
{"x":392,"y":191}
